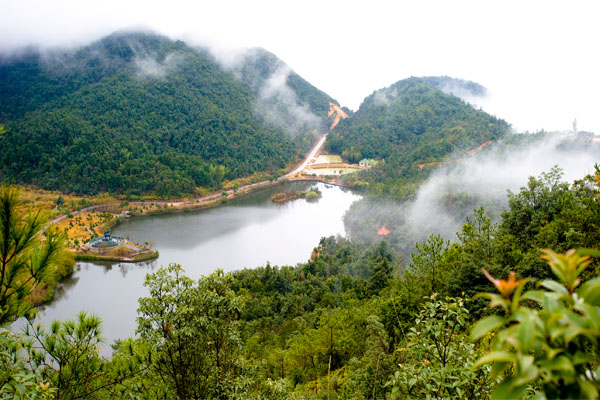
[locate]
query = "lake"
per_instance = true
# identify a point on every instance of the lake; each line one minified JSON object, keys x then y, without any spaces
{"x":245,"y":232}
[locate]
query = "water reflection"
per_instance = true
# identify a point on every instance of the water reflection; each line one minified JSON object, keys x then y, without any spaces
{"x":64,"y":288}
{"x":245,"y":232}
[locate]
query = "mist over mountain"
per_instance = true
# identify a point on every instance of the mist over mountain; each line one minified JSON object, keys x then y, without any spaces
{"x":458,"y":87}
{"x":454,"y":189}
{"x":139,"y":113}
{"x":284,"y":98}
{"x":410,"y":124}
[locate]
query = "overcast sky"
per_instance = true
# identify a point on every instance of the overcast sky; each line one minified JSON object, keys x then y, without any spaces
{"x":539,"y":59}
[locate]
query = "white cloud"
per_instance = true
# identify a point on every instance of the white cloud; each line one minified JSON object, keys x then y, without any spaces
{"x":149,"y":67}
{"x":537,"y":58}
{"x":280,"y":105}
{"x":488,"y":177}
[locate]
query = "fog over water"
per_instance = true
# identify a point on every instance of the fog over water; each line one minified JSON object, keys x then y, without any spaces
{"x":444,"y":201}
{"x":488,"y":177}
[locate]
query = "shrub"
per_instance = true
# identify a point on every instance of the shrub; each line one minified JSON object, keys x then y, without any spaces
{"x":437,"y":358}
{"x":548,"y":339}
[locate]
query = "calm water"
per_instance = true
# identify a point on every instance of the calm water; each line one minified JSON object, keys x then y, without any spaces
{"x":245,"y":232}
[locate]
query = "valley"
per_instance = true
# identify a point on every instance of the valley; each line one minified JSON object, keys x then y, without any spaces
{"x":83,"y":225}
{"x":240,"y":234}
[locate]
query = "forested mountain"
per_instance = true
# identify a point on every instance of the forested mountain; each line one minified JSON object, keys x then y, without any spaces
{"x":138,"y":113}
{"x":279,"y":90}
{"x":412,"y":122}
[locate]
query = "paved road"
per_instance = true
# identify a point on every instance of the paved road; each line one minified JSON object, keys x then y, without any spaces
{"x":209,"y":197}
{"x":317,"y":147}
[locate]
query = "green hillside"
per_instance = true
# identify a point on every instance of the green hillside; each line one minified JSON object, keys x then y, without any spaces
{"x":455,"y":86}
{"x":411,"y":122}
{"x":300,"y":107}
{"x":138,"y":113}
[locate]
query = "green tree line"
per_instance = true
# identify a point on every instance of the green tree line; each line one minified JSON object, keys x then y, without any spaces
{"x":356,"y":321}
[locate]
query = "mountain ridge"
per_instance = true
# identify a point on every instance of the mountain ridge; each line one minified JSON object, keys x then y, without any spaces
{"x":408,"y":123}
{"x":137,"y":113}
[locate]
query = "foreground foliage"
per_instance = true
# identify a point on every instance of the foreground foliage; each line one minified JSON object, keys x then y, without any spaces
{"x":553,"y":347}
{"x":192,"y":333}
{"x":27,"y":257}
{"x":355,"y":322}
{"x":437,"y":359}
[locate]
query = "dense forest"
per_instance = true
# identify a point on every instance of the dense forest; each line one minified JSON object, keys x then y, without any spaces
{"x":503,"y":307}
{"x":137,"y":113}
{"x":409,"y":123}
{"x":355,"y":321}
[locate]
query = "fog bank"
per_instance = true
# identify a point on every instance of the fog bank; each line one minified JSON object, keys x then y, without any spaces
{"x":454,"y":189}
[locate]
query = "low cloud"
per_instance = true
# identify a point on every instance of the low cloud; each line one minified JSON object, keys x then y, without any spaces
{"x":268,"y":78}
{"x":451,"y":193}
{"x":385,"y":96}
{"x":280,"y":105}
{"x":147,"y":66}
{"x":485,"y":179}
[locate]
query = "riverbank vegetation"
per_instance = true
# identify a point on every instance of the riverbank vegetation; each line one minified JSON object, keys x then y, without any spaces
{"x":359,"y":321}
{"x":119,"y":254}
{"x":312,"y":194}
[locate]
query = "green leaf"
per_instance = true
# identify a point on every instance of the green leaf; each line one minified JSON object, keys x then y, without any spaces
{"x":527,"y":375}
{"x":20,"y":388}
{"x":589,"y":389}
{"x":580,"y":358}
{"x":495,"y":300}
{"x":555,"y":287}
{"x":506,"y":390}
{"x":591,"y":315}
{"x":526,"y":329}
{"x":485,"y":325}
{"x":494,"y":356}
{"x":534,"y":295}
{"x":590,"y":291}
{"x":588,"y":252}
{"x":560,"y":363}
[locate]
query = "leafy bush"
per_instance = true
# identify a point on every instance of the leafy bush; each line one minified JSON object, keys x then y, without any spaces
{"x":437,"y":359}
{"x":548,"y":339}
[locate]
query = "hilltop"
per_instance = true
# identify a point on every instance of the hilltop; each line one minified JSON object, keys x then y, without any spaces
{"x":141,"y":114}
{"x":411,"y":123}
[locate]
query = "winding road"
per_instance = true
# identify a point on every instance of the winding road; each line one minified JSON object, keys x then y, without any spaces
{"x":213,"y":196}
{"x":333,"y":109}
{"x":313,"y":152}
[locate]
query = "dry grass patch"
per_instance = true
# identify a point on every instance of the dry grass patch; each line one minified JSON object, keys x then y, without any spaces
{"x":82,"y":227}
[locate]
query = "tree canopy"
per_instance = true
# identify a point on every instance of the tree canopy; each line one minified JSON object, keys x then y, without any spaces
{"x":409,"y":123}
{"x":138,"y":113}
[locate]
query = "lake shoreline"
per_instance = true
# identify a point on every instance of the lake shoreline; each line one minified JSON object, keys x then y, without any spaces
{"x":246,"y":232}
